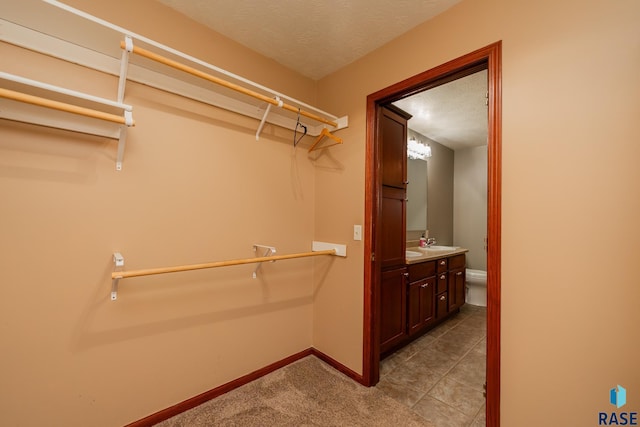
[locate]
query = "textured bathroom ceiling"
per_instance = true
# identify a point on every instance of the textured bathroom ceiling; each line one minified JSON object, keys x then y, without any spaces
{"x":313,"y":37}
{"x":453,"y":114}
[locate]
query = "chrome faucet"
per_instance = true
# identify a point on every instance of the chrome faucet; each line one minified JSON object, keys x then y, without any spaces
{"x":431,"y":241}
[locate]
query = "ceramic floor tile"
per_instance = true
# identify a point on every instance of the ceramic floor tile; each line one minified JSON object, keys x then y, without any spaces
{"x":454,"y":346}
{"x":423,"y":342}
{"x":441,"y":329}
{"x":389,"y":364}
{"x":440,"y":414}
{"x":470,"y":370}
{"x":433,"y":359}
{"x":414,"y":376}
{"x":481,"y":419}
{"x":467,"y":329}
{"x":400,"y":391}
{"x":480,"y":348}
{"x":475,"y":322}
{"x":459,"y":396}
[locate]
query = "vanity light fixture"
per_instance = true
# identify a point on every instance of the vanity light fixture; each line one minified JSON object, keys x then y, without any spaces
{"x":417,"y":149}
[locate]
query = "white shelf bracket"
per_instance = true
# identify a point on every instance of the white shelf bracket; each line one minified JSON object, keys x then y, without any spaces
{"x":121,"y":143}
{"x":264,"y":117}
{"x":341,"y":250}
{"x":268,"y":251}
{"x":124,"y":67}
{"x":118,"y":263}
{"x":122,"y":82}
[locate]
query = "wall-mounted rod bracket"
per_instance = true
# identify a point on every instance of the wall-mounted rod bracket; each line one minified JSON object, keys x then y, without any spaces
{"x":124,"y":67}
{"x":268,"y":251}
{"x":122,"y":82}
{"x":118,"y":263}
{"x":264,"y":117}
{"x":341,"y":250}
{"x":122,"y":140}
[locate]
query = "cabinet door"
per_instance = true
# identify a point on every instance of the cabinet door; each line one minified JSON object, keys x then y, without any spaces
{"x":442,"y":305}
{"x":393,"y":140}
{"x":456,"y":288}
{"x":392,"y":227}
{"x":421,"y":304}
{"x":393,"y":312}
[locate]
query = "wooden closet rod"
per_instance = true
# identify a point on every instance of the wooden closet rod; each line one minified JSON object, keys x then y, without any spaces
{"x":187,"y":69}
{"x":176,"y":269}
{"x":61,"y":106}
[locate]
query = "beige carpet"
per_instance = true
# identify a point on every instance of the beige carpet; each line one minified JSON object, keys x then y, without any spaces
{"x":305,"y":393}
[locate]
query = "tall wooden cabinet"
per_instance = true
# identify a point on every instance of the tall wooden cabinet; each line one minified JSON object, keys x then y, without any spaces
{"x":392,"y":141}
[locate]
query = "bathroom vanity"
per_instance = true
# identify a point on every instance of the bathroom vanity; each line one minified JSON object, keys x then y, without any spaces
{"x":433,"y":290}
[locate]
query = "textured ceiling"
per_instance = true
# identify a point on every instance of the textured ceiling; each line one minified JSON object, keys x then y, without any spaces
{"x":453,"y":114}
{"x":314,"y":38}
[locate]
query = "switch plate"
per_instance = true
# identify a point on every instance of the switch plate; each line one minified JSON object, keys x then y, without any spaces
{"x":357,"y":232}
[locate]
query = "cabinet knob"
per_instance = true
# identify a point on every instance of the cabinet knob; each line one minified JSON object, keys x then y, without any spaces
{"x":424,"y":286}
{"x":442,"y":298}
{"x":459,"y":273}
{"x":443,"y":262}
{"x":405,"y":274}
{"x":442,"y":277}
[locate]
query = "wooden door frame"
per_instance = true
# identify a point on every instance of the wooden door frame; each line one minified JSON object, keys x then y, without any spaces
{"x":489,"y":57}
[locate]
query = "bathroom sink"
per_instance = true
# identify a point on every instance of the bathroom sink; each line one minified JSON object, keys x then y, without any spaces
{"x":413,"y":254}
{"x":439,"y":249}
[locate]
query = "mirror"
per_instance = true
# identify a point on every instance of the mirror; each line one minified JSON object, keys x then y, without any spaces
{"x":417,"y":195}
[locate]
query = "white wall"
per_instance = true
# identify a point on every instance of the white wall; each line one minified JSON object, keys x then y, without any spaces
{"x":470,"y":204}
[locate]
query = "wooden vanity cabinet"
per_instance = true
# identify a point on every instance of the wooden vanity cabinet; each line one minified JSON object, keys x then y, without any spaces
{"x":456,"y":279}
{"x":421,"y":296}
{"x":393,"y":308}
{"x":448,"y":290}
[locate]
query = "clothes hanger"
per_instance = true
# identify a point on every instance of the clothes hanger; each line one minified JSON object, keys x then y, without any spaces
{"x":325,"y":133}
{"x":296,"y":140}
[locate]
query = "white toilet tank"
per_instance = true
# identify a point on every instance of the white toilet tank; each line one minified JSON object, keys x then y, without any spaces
{"x":476,"y":284}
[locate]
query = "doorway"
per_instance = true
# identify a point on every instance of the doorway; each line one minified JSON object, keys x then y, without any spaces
{"x":488,"y":58}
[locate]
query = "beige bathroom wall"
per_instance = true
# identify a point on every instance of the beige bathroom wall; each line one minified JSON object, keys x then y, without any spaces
{"x":195,"y":187}
{"x":570,"y":196}
{"x":470,"y":204}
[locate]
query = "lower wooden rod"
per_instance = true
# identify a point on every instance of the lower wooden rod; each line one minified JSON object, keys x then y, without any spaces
{"x":179,"y":268}
{"x":61,"y":106}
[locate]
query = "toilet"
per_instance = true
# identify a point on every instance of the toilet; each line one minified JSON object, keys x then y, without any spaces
{"x":476,"y":283}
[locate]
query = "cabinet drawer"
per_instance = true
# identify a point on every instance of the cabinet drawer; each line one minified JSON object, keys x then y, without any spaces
{"x":456,"y":262}
{"x":422,"y":270}
{"x":442,"y":265}
{"x":442,"y":305}
{"x":441,"y":283}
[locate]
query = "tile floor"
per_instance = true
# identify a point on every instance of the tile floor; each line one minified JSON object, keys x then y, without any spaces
{"x":441,"y":374}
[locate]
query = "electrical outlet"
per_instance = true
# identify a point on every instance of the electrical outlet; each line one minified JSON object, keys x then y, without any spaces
{"x":357,"y":232}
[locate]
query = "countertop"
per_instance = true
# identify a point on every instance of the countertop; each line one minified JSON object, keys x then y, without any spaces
{"x":429,"y":255}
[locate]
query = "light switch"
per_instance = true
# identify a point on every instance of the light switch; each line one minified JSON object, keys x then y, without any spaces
{"x":357,"y":232}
